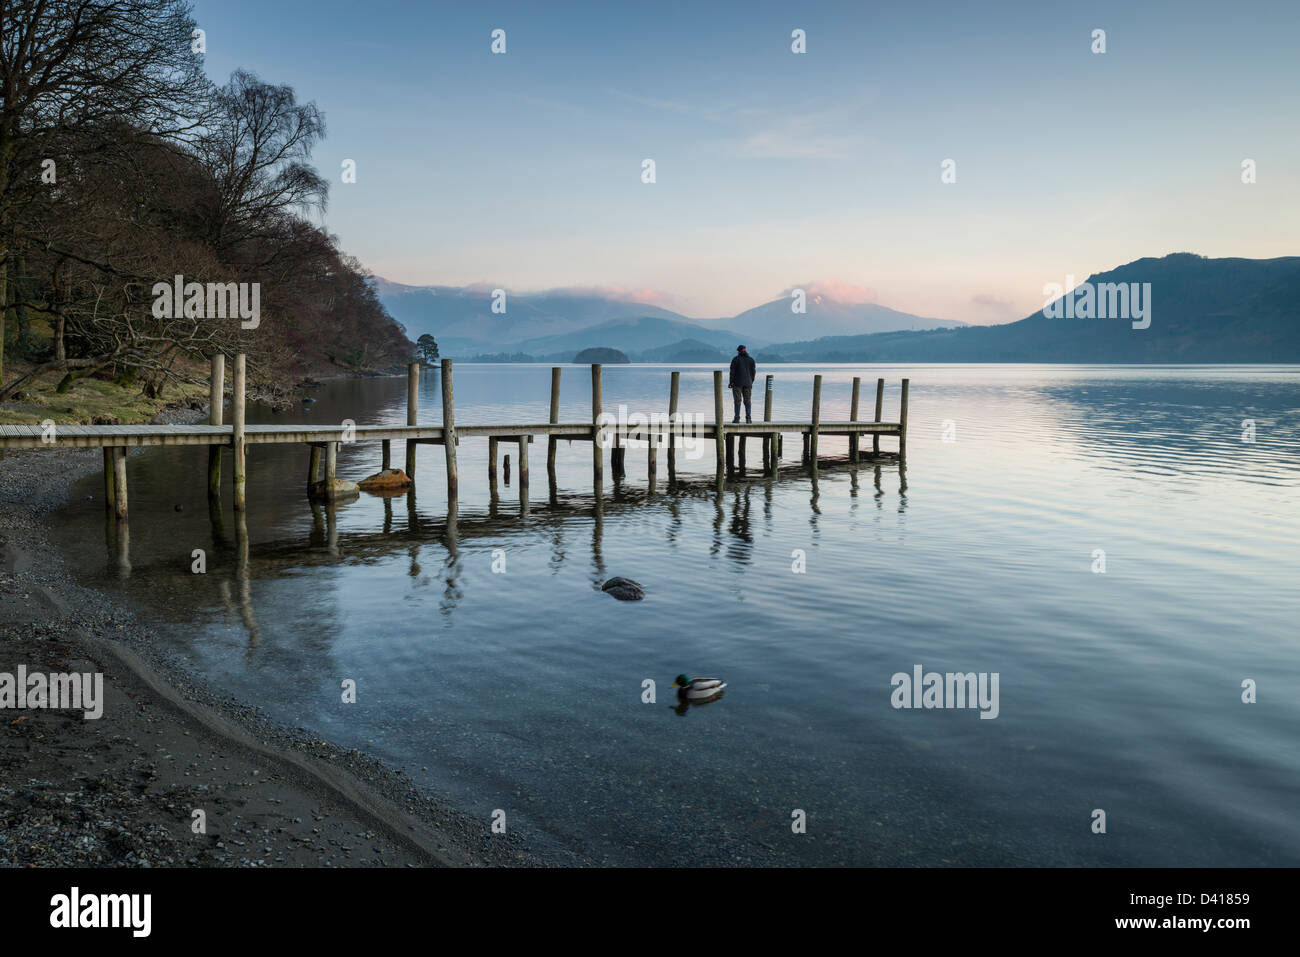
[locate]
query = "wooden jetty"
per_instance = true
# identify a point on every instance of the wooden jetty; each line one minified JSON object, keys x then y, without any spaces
{"x":324,"y":440}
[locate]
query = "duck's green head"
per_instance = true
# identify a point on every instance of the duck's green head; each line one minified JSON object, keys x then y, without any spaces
{"x":681,"y":682}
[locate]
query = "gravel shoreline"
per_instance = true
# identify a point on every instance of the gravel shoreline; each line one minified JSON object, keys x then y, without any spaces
{"x":122,"y":790}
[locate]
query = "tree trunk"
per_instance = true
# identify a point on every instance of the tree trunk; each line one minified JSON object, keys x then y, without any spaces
{"x":20,"y":304}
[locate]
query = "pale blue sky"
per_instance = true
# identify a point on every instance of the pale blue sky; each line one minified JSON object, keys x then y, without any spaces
{"x":775,"y":169}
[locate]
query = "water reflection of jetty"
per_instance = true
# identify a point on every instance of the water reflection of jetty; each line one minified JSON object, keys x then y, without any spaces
{"x":747,"y":499}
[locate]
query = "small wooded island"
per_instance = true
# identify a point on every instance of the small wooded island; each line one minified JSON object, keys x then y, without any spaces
{"x":600,"y":354}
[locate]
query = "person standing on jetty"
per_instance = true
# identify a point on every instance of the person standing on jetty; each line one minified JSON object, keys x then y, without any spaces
{"x":741,"y":381}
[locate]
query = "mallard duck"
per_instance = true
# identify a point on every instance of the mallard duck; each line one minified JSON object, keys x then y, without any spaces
{"x":695,"y":689}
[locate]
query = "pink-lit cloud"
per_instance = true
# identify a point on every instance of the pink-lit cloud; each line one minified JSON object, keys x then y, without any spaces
{"x":837,"y":291}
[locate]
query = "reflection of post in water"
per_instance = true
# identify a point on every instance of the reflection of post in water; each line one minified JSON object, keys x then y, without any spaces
{"x":740,"y":531}
{"x":451,"y":566}
{"x":217,"y":519}
{"x":317,"y":538}
{"x":388,"y":515}
{"x":557,"y":545}
{"x":412,"y":528}
{"x":412,"y":516}
{"x":719,"y":519}
{"x":597,"y":536}
{"x":332,"y":528}
{"x":902,"y":484}
{"x":451,"y":531}
{"x":675,"y":524}
{"x":553,"y":488}
{"x":243,"y":576}
{"x":117,"y":536}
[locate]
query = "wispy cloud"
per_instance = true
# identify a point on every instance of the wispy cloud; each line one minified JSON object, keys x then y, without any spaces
{"x":765,"y":133}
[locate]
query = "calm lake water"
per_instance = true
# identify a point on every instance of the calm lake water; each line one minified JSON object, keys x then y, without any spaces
{"x":522,"y":691}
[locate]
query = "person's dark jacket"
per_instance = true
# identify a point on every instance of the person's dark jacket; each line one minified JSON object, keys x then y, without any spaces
{"x":742,"y":370}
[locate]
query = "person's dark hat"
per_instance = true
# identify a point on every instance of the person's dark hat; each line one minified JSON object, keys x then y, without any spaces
{"x":740,"y":348}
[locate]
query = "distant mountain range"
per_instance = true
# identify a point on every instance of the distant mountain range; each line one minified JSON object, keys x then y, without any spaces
{"x":554,"y":325}
{"x":1200,"y":310}
{"x":775,"y":321}
{"x":462,"y":320}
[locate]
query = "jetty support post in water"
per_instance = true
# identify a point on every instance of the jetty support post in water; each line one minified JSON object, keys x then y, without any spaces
{"x":769,"y":440}
{"x":313,"y":466}
{"x":523,"y":473}
{"x":237,"y":432}
{"x":816,"y":422}
{"x":492,"y":466}
{"x":673,"y":420}
{"x":216,"y":399}
{"x":880,"y":408}
{"x":555,"y":418}
{"x":119,"y":481}
{"x":449,"y":435}
{"x":597,"y":454}
{"x":412,"y":413}
{"x":719,"y":441}
{"x":853,"y":417}
{"x":902,"y":424}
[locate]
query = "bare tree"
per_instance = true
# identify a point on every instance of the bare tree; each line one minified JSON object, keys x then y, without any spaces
{"x":71,"y":71}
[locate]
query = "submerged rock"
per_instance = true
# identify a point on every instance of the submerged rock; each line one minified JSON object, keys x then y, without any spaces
{"x":387,"y":479}
{"x":624,"y":589}
{"x":321,"y":492}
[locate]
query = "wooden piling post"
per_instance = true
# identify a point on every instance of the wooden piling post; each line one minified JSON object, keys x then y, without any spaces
{"x":853,"y":417}
{"x":119,"y":481}
{"x":718,"y":437}
{"x":523,"y":471}
{"x":652,"y":454}
{"x":492,"y":464}
{"x":555,"y":417}
{"x":880,"y":410}
{"x":769,"y":442}
{"x":216,"y":399}
{"x":675,"y":383}
{"x":110,"y":495}
{"x":331,"y":468}
{"x":237,"y":432}
{"x":449,"y":433}
{"x":902,"y":424}
{"x":388,"y":455}
{"x":413,"y":412}
{"x":816,"y":422}
{"x":313,"y":467}
{"x":597,"y":455}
